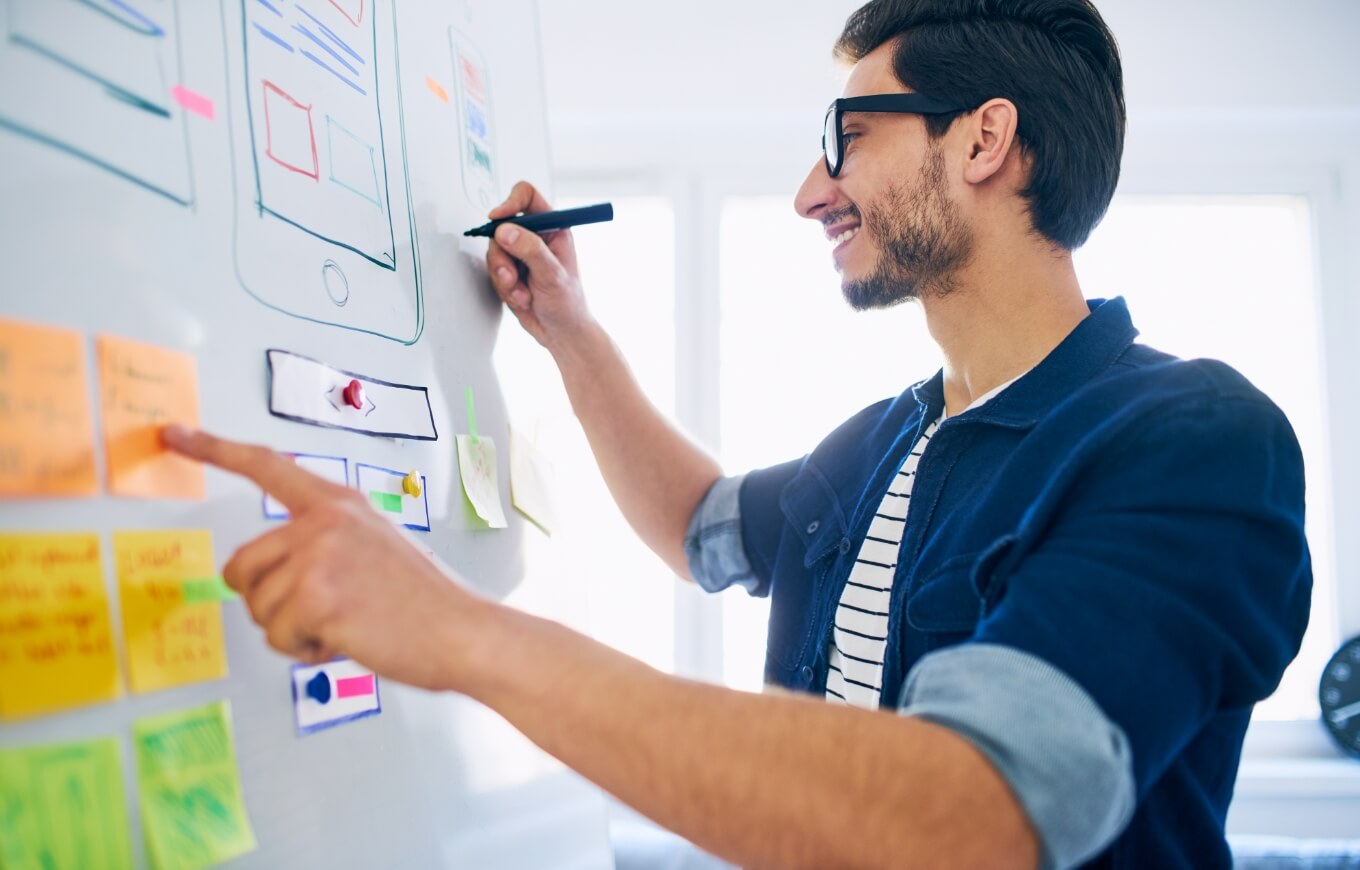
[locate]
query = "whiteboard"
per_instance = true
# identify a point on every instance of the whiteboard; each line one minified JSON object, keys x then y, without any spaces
{"x":196,"y":175}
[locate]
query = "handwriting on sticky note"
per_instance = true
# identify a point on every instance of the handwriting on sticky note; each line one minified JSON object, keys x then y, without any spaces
{"x":62,"y":806}
{"x":56,"y":644}
{"x":141,"y":388}
{"x":46,"y":432}
{"x":173,"y":633}
{"x":190,"y":791}
{"x":477,"y":467}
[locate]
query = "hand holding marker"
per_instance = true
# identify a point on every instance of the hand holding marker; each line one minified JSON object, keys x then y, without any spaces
{"x":546,"y":221}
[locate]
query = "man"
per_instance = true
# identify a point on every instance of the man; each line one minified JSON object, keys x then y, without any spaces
{"x":1041,"y":590}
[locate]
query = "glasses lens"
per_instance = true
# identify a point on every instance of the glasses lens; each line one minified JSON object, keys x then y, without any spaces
{"x":831,"y":142}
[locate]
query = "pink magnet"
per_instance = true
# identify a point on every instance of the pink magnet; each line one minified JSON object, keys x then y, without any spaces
{"x":352,"y":687}
{"x":354,"y":394}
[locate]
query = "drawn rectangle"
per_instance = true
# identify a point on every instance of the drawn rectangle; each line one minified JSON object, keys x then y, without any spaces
{"x":307,"y":391}
{"x":332,"y":694}
{"x":290,"y":139}
{"x":352,"y":162}
{"x":332,"y":468}
{"x":383,"y":487}
{"x":94,"y":81}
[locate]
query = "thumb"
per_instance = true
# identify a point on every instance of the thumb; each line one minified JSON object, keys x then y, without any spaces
{"x":530,"y":250}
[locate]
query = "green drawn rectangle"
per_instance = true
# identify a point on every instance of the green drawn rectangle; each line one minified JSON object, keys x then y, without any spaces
{"x":193,"y":812}
{"x":386,"y":501}
{"x":62,"y":805}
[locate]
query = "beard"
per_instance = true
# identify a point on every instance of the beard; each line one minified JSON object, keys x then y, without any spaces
{"x":924,"y":241}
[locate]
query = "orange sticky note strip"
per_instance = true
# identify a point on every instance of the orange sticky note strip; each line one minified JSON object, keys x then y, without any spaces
{"x":170,"y":641}
{"x":46,"y":433}
{"x":437,"y":89}
{"x":56,"y":643}
{"x":141,"y":388}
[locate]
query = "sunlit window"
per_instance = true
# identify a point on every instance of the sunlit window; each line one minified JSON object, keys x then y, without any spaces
{"x":1230,"y":278}
{"x":628,"y":270}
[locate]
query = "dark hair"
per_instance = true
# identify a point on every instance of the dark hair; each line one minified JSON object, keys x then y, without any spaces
{"x":1056,"y":60}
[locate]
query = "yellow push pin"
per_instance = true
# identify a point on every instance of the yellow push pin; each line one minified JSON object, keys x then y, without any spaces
{"x":410,"y":484}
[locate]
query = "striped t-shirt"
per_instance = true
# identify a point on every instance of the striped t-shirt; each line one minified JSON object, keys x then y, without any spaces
{"x":860,"y":635}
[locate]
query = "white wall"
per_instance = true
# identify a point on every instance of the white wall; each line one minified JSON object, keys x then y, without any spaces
{"x":702,"y":98}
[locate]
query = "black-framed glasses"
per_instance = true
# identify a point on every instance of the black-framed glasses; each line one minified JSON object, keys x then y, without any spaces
{"x":833,"y":137}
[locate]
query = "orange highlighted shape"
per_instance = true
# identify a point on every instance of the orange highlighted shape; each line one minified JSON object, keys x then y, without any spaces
{"x":56,"y":643}
{"x":437,"y":89}
{"x":141,"y":388}
{"x":173,"y":637}
{"x":46,"y":433}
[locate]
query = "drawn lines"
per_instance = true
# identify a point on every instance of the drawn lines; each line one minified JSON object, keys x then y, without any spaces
{"x":354,"y":160}
{"x":284,"y":144}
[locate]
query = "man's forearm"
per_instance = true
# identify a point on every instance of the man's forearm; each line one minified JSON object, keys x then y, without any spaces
{"x":761,"y":780}
{"x":655,"y":473}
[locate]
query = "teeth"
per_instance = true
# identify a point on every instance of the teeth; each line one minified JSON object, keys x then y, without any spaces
{"x":845,"y":236}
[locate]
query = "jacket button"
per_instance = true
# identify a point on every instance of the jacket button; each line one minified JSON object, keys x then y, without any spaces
{"x":813,"y":527}
{"x":845,"y":546}
{"x":807,"y":673}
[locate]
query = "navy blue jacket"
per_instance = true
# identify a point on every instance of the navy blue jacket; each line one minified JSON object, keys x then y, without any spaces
{"x":1133,"y":519}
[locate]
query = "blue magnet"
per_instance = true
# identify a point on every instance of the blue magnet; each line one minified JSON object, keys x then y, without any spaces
{"x":319,"y":688}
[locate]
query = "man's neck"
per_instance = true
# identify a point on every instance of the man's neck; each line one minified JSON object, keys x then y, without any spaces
{"x":1004,"y":315}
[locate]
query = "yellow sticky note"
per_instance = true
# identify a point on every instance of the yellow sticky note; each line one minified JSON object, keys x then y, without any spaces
{"x":46,"y":432}
{"x":477,"y":467}
{"x":531,"y":477}
{"x":56,"y":643}
{"x":62,"y":806}
{"x":193,"y":812}
{"x":172,"y":638}
{"x":141,"y":388}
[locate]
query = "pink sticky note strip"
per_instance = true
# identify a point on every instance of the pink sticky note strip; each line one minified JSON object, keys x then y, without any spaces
{"x":353,"y":687}
{"x":193,"y":101}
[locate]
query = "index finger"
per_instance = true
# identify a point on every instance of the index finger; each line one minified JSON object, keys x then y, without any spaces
{"x":524,"y":197}
{"x":270,"y":470}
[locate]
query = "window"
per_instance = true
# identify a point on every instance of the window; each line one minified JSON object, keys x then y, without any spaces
{"x":628,"y":270}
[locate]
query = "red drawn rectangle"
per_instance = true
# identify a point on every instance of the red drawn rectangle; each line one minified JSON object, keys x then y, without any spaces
{"x":289,"y":115}
{"x":352,"y":18}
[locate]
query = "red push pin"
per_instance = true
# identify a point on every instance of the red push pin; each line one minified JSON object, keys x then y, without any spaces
{"x":354,"y":395}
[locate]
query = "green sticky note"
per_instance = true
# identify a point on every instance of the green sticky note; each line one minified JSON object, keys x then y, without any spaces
{"x":62,"y":806}
{"x":193,"y":813}
{"x":207,"y":589}
{"x":386,"y":501}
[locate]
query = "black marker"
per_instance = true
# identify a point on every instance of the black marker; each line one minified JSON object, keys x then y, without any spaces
{"x":551,"y":220}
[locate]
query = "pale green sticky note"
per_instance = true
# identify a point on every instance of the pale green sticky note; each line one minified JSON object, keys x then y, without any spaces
{"x":62,"y":806}
{"x":203,"y":589}
{"x":193,"y":813}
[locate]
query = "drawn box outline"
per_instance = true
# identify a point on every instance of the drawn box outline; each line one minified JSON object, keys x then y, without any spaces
{"x":241,"y":198}
{"x":29,"y":131}
{"x":331,"y":125}
{"x":355,"y":21}
{"x":268,"y":86}
{"x":467,"y":146}
{"x":424,"y":492}
{"x":264,"y":496}
{"x":390,"y":255}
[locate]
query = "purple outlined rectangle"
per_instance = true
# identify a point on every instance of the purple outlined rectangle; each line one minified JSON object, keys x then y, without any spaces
{"x":393,"y":474}
{"x":275,"y":511}
{"x":347,"y":709}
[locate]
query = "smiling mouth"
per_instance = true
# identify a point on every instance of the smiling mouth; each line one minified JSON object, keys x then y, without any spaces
{"x":839,"y":241}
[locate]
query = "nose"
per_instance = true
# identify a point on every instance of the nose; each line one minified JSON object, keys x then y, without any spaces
{"x":817,"y":193}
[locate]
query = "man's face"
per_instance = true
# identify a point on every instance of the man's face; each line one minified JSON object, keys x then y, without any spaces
{"x":896,"y":230}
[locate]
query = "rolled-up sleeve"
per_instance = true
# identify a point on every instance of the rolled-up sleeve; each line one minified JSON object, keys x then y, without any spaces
{"x":713,"y":541}
{"x":1067,"y":764}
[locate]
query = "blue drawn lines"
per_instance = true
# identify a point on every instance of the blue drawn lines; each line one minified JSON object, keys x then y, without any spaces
{"x":130,"y":18}
{"x":325,"y":47}
{"x":330,"y":34}
{"x":149,"y":27}
{"x":321,"y":63}
{"x":352,"y":164}
{"x":270,"y":6}
{"x":271,"y":36}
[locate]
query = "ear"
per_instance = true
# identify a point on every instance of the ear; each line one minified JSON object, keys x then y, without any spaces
{"x":992,"y":132}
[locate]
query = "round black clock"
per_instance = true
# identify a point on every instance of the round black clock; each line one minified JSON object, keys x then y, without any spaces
{"x":1339,"y":695}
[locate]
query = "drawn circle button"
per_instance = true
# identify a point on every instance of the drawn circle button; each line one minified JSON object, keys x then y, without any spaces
{"x":335,"y":282}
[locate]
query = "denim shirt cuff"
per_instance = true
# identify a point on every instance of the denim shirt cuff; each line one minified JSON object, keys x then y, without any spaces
{"x":713,"y":544}
{"x":1069,"y":766}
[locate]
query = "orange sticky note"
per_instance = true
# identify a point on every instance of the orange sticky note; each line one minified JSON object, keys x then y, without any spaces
{"x":171,"y":640}
{"x":56,"y":644}
{"x":46,"y":434}
{"x":141,"y":388}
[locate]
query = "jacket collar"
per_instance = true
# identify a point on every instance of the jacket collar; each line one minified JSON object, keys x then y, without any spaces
{"x":1087,"y":351}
